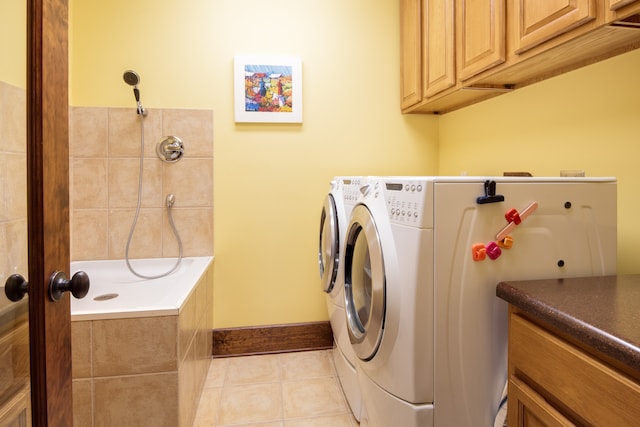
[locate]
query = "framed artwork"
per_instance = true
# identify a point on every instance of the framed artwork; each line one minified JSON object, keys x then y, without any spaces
{"x":268,"y":89}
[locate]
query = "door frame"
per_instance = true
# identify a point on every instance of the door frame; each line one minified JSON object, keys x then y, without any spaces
{"x":48,"y":209}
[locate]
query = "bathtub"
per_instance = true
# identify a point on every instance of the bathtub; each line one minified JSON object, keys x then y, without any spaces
{"x":115,"y":293}
{"x":141,"y":357}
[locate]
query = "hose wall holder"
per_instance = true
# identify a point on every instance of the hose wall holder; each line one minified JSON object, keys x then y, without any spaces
{"x":170,"y":149}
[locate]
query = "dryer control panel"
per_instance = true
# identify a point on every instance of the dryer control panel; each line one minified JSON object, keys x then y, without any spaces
{"x":408,"y":202}
{"x":352,"y":188}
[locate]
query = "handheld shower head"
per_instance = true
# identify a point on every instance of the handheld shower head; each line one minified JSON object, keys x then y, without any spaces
{"x":132,"y":79}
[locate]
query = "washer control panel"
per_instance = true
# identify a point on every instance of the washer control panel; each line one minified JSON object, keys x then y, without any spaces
{"x":407,"y":202}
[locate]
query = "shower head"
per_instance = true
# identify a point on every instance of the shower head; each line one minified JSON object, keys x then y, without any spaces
{"x":131,"y":78}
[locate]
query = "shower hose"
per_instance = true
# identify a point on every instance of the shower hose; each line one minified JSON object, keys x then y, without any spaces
{"x":169,"y":204}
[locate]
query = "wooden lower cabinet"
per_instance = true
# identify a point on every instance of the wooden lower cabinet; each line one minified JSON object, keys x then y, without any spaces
{"x":528,"y":408}
{"x":555,"y":383}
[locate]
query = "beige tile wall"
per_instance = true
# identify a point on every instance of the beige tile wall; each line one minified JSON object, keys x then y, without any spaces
{"x":143,"y":371}
{"x":13,"y":181}
{"x":104,"y":146}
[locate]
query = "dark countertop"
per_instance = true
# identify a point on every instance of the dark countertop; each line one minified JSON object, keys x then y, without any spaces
{"x":601,"y":313}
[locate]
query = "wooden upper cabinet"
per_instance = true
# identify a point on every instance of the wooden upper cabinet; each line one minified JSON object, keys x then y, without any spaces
{"x":623,"y":9}
{"x":481,"y":35}
{"x":617,"y":4}
{"x":410,"y":52}
{"x":534,"y":22}
{"x":458,"y":52}
{"x":427,"y":55}
{"x":438,"y":46}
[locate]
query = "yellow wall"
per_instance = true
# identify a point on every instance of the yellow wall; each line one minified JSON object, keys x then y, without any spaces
{"x":13,"y":42}
{"x":269,"y":180}
{"x":587,"y":119}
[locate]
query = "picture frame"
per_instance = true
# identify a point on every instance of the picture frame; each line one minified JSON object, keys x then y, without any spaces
{"x":267,"y":89}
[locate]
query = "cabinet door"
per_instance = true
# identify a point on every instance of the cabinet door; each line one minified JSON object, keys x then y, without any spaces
{"x":410,"y":52}
{"x":438,"y":46}
{"x":480,"y":34}
{"x":574,"y":381}
{"x":535,"y":22}
{"x":528,"y":409}
{"x":617,"y":4}
{"x":622,"y":9}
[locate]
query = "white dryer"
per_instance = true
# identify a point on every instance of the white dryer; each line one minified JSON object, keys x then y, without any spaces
{"x":336,"y":210}
{"x":422,"y":260}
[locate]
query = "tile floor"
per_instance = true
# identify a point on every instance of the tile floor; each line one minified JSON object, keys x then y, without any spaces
{"x":277,"y":390}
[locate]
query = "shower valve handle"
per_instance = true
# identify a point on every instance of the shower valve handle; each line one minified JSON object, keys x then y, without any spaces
{"x":59,"y":284}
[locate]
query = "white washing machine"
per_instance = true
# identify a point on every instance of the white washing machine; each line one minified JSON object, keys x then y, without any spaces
{"x":336,"y":210}
{"x":387,"y":294}
{"x":423,"y":256}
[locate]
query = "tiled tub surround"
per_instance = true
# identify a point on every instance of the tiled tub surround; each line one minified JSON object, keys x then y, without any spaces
{"x":13,"y":177}
{"x":104,"y":164}
{"x":145,"y":371}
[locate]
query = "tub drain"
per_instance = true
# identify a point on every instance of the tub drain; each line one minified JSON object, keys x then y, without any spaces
{"x":105,"y":297}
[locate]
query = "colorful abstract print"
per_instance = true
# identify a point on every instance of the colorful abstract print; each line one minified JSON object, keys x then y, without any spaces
{"x":268,"y":88}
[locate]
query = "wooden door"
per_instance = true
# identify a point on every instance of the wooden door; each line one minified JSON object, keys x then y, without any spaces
{"x":480,"y":36}
{"x":41,"y":346}
{"x":48,"y":210}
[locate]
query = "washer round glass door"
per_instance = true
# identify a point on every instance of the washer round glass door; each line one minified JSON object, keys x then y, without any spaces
{"x":364,"y":287}
{"x":329,"y":244}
